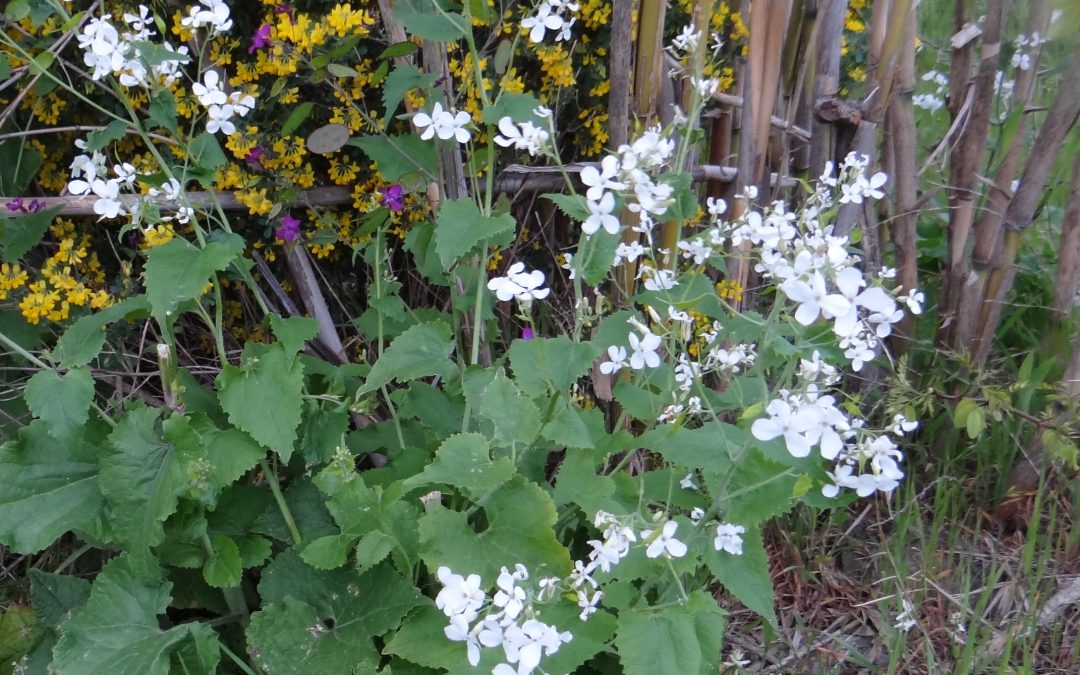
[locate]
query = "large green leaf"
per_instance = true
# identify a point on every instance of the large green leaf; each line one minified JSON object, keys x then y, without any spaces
{"x":118,"y":630}
{"x":142,"y":477}
{"x":746,"y":576}
{"x":176,"y":271}
{"x":398,"y":156}
{"x":460,"y":228}
{"x":679,"y":639}
{"x":544,"y":365}
{"x":46,"y":488}
{"x":423,"y":19}
{"x":765,"y":489}
{"x":83,"y":340}
{"x":420,"y":351}
{"x":61,"y":402}
{"x":264,"y":397}
{"x":53,"y":597}
{"x":19,"y":630}
{"x":709,"y":447}
{"x":520,"y":517}
{"x":516,"y":419}
{"x":324,"y":622}
{"x":401,"y":79}
{"x":20,"y":233}
{"x":464,"y":461}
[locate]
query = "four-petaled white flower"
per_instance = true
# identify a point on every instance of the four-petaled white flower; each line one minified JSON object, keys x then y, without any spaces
{"x":600,"y":216}
{"x":729,"y":538}
{"x":644,"y":349}
{"x":665,"y":543}
{"x":445,"y":124}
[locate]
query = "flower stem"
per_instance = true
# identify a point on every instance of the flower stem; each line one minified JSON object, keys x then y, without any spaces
{"x":272,"y":479}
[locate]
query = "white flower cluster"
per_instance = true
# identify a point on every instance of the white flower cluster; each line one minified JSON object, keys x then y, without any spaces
{"x":519,"y":285}
{"x":107,"y":51}
{"x":936,"y":100}
{"x":525,"y":136}
{"x":551,"y":15}
{"x":221,"y":108}
{"x":630,"y":174}
{"x":90,"y":176}
{"x":445,"y":124}
{"x":508,"y":622}
{"x":212,"y":13}
{"x":1026,"y":48}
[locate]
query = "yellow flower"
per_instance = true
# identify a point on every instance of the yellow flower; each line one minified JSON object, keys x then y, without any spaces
{"x":343,"y":19}
{"x":157,"y":235}
{"x":11,"y":277}
{"x":343,"y":172}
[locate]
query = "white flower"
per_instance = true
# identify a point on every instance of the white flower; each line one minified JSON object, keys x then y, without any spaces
{"x":644,"y":351}
{"x":696,"y":514}
{"x":526,"y":137}
{"x":598,"y":181}
{"x":901,"y":425}
{"x":543,"y":21}
{"x":600,"y":216}
{"x":665,"y":544}
{"x":716,"y":206}
{"x":588,"y":603}
{"x":658,"y":280}
{"x":789,"y":423}
{"x":460,"y":595}
{"x":687,"y":483}
{"x":914,"y":301}
{"x":628,"y":252}
{"x":209,"y":90}
{"x":519,"y":285}
{"x":729,"y":538}
{"x":458,"y":631}
{"x":814,"y":299}
{"x":445,"y":124}
{"x":616,"y":360}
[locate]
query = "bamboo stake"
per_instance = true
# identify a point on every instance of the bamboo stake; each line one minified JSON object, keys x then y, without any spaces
{"x":1067,"y":276}
{"x":826,"y":82}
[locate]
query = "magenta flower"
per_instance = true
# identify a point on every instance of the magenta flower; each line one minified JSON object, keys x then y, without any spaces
{"x":392,"y":196}
{"x":15,"y":205}
{"x":527,"y":333}
{"x":261,"y":38}
{"x":285,"y":8}
{"x":254,"y":156}
{"x":290,"y":228}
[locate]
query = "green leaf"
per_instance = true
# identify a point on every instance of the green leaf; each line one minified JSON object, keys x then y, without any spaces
{"x":141,"y":479}
{"x":162,"y":111}
{"x":398,"y":156}
{"x":398,"y":49}
{"x":460,"y":228}
{"x":19,"y":630}
{"x":402,"y":78}
{"x":420,"y":351}
{"x":294,"y":331}
{"x":422,"y":19}
{"x":53,"y":596}
{"x":264,"y":397}
{"x":746,"y":576}
{"x":568,"y":428}
{"x":113,"y":131}
{"x":596,"y":257}
{"x":341,"y":70}
{"x":176,"y":271}
{"x":46,"y":488}
{"x":231,"y":452}
{"x":418,"y":640}
{"x":206,"y":154}
{"x":464,"y":461}
{"x":325,"y":622}
{"x":20,"y":233}
{"x":296,"y":117}
{"x":223,"y":568}
{"x":765,"y":489}
{"x":118,"y":630}
{"x":20,"y":163}
{"x":550,"y":364}
{"x":709,"y":447}
{"x":518,"y":107}
{"x":578,"y":483}
{"x":571,"y":205}
{"x":63,"y":403}
{"x":515,"y":417}
{"x":520,"y":522}
{"x":83,"y":340}
{"x":17,"y":10}
{"x":372,"y":548}
{"x":675,"y":640}
{"x":329,"y":552}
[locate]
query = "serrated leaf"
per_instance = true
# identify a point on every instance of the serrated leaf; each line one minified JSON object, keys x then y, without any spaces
{"x":420,"y":351}
{"x":141,"y":479}
{"x":162,"y":111}
{"x":596,"y":257}
{"x":46,"y":489}
{"x":675,"y":640}
{"x":329,"y":552}
{"x":709,"y":447}
{"x":176,"y":271}
{"x":421,"y":19}
{"x":206,"y":153}
{"x":113,"y":131}
{"x":765,"y":489}
{"x":294,"y":331}
{"x":21,"y":163}
{"x":460,"y":228}
{"x":578,"y":483}
{"x":464,"y":461}
{"x":264,"y":397}
{"x":418,"y":639}
{"x":571,"y":205}
{"x":746,"y":576}
{"x":53,"y":596}
{"x":517,"y":106}
{"x":516,"y":418}
{"x":325,"y":622}
{"x":223,"y":568}
{"x":401,"y":79}
{"x":398,"y":156}
{"x":83,"y":340}
{"x":19,"y":630}
{"x":520,"y":517}
{"x":20,"y":233}
{"x":372,"y":548}
{"x":61,"y":402}
{"x":550,"y":364}
{"x":118,"y":630}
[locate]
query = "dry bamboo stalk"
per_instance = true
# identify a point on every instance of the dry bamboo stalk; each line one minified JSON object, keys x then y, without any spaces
{"x":1021,"y":212}
{"x":965,"y":161}
{"x":1067,"y":276}
{"x":620,"y":69}
{"x":826,"y":82}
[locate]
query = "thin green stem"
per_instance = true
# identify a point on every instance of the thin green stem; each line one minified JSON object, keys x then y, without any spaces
{"x":78,"y":553}
{"x":240,"y":663}
{"x":272,"y":479}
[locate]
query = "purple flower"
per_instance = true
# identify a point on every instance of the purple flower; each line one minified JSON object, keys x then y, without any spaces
{"x":392,"y":196}
{"x":15,"y":205}
{"x":18,"y":206}
{"x":35,"y":205}
{"x":290,"y":228}
{"x":254,"y":156}
{"x":527,"y":333}
{"x":285,"y":8}
{"x":261,"y":38}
